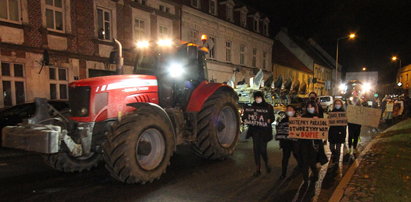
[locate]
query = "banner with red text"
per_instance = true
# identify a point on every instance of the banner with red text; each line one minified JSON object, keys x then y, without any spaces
{"x":308,"y":128}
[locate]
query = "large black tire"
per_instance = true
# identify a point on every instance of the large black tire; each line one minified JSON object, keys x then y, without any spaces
{"x":140,"y":146}
{"x":69,"y":164}
{"x":218,"y":126}
{"x":64,"y":162}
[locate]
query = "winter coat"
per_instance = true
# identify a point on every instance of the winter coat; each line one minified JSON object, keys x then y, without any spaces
{"x":282,"y":130}
{"x":265,"y":132}
{"x":337,"y":134}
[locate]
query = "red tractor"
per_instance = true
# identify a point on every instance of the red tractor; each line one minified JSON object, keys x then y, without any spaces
{"x":135,"y":121}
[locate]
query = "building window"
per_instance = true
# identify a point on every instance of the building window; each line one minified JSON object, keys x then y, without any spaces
{"x":104,"y":24}
{"x":211,"y":47}
{"x":195,"y":3}
{"x":242,"y":54}
{"x":139,"y":29}
{"x":228,"y":51}
{"x":264,"y":60}
{"x":212,"y":8}
{"x":243,"y":19}
{"x":256,"y":25}
{"x":265,"y":28}
{"x":12,"y":84}
{"x":164,"y":9}
{"x":142,"y":2}
{"x":194,"y":36}
{"x":254,"y":57}
{"x":55,"y":15}
{"x":58,"y":83}
{"x":229,"y":13}
{"x":9,"y":10}
{"x":163,"y":30}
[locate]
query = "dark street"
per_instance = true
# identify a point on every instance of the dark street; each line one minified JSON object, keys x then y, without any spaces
{"x":26,"y":177}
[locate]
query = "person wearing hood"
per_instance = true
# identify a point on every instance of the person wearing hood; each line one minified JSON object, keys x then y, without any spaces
{"x":337,"y":134}
{"x":261,"y":135}
{"x":286,"y":144}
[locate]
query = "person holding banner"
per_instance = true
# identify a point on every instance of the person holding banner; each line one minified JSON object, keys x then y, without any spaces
{"x":307,"y":149}
{"x":259,"y":117}
{"x":286,"y":144}
{"x":337,"y":134}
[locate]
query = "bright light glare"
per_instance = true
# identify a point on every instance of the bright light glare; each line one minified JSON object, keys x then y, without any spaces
{"x":352,"y":36}
{"x":394,"y":58}
{"x":343,"y":87}
{"x":142,"y":44}
{"x":399,"y":84}
{"x":366,"y":87}
{"x":176,"y":70}
{"x":165,"y":42}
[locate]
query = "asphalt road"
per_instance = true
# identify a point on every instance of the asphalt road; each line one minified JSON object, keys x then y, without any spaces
{"x":24,"y":177}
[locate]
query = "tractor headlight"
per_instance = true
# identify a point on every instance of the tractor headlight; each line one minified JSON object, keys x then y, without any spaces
{"x":165,"y":42}
{"x":142,"y":44}
{"x":83,"y":111}
{"x":176,"y":70}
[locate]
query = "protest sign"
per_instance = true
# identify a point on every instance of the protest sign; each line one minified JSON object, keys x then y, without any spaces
{"x":365,"y":116}
{"x":337,"y":119}
{"x":308,"y":128}
{"x":256,"y":116}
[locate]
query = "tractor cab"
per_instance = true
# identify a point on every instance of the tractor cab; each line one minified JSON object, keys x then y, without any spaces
{"x":179,"y":68}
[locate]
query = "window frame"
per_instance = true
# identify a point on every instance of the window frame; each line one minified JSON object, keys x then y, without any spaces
{"x":229,"y":13}
{"x":56,"y":81}
{"x":55,"y":9}
{"x":264,"y":59}
{"x":110,"y":11}
{"x":139,"y":29}
{"x":212,"y":11}
{"x":242,"y":54}
{"x":198,"y":3}
{"x":8,"y":13}
{"x":13,"y":79}
{"x":212,"y":51}
{"x":254,"y":57}
{"x":228,"y":52}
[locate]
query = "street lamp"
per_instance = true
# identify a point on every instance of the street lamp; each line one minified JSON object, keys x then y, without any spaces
{"x":395,"y":58}
{"x":351,"y":36}
{"x":364,"y":68}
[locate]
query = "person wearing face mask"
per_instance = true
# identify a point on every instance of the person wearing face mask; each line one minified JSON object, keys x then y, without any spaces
{"x":337,"y":134}
{"x":261,"y":135}
{"x":286,"y":144}
{"x":313,"y":98}
{"x":306,"y":149}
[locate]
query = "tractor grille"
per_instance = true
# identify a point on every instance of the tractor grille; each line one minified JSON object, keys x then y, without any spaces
{"x":79,"y":100}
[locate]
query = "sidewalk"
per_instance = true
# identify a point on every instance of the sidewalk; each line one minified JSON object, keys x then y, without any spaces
{"x":384,"y":173}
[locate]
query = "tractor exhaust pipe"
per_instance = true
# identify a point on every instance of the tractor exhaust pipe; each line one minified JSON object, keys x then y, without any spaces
{"x":120,"y":59}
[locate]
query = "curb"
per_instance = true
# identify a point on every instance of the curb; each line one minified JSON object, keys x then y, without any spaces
{"x":339,"y":190}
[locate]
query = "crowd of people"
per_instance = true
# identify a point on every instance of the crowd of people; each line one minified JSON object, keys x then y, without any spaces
{"x":307,"y":152}
{"x":395,"y":108}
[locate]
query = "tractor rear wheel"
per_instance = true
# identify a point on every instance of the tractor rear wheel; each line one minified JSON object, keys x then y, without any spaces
{"x":139,"y":147}
{"x":218,"y":126}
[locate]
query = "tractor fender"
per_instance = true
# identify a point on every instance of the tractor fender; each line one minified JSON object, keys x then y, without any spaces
{"x":157,"y":109}
{"x":203,"y":92}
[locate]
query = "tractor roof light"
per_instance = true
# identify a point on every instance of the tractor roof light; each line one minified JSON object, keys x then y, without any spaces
{"x":366,"y":87}
{"x":142,"y":44}
{"x":343,"y":87}
{"x":165,"y":42}
{"x":204,"y":38}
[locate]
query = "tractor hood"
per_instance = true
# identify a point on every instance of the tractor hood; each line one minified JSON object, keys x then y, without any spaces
{"x":104,"y":83}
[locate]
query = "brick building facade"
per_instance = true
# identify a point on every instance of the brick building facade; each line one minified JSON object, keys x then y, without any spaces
{"x":78,"y":36}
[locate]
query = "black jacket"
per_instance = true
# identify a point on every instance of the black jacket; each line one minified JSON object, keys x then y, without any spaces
{"x":337,"y":134}
{"x":265,"y":132}
{"x":282,"y":129}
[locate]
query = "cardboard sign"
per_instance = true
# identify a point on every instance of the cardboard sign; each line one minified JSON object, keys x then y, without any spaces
{"x":337,"y":119}
{"x":365,"y":116}
{"x":308,"y":128}
{"x":254,"y":116}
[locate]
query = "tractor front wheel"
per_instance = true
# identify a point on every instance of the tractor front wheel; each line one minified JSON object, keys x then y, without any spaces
{"x":218,"y":126}
{"x":139,"y":147}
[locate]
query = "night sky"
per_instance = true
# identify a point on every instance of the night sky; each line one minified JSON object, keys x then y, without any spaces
{"x":383,"y":29}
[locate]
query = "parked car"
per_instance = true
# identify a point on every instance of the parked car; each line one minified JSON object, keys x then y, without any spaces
{"x":12,"y":116}
{"x":326,"y":102}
